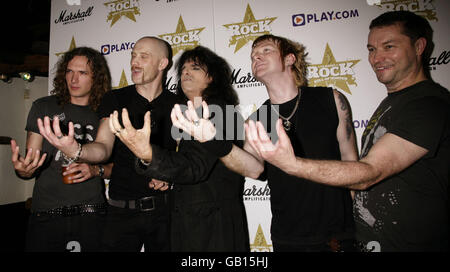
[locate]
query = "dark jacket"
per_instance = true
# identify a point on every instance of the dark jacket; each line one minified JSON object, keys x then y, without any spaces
{"x":207,"y":210}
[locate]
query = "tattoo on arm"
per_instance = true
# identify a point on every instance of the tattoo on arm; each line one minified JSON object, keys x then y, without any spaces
{"x":348,"y":118}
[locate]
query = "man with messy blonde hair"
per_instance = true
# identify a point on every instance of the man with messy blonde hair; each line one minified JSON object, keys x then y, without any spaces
{"x":305,"y":216}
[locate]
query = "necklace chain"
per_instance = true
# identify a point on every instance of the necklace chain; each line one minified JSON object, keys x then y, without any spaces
{"x":286,"y":123}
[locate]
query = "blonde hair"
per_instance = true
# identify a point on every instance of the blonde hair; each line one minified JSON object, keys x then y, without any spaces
{"x":286,"y":47}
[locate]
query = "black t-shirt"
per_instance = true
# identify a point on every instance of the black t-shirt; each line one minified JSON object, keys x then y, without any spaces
{"x":304,"y":212}
{"x":125,"y":183}
{"x":409,"y":211}
{"x":49,"y":190}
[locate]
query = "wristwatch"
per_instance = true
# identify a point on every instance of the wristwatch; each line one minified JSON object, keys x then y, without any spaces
{"x":101,"y":170}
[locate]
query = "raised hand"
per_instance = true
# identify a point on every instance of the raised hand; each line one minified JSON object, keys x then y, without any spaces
{"x":137,"y":140}
{"x":281,"y":154}
{"x":52,"y":133}
{"x":201,"y":129}
{"x":26,"y":167}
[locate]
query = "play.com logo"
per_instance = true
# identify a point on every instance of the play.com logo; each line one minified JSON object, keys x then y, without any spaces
{"x":302,"y":19}
{"x":298,"y":19}
{"x":107,"y":49}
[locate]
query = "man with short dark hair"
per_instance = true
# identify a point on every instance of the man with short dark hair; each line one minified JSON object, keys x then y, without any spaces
{"x":403,"y":173}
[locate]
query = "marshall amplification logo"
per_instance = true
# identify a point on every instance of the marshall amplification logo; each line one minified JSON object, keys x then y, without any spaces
{"x":256,"y":193}
{"x":73,"y":17}
{"x":260,"y":243}
{"x":424,"y":8}
{"x":244,"y":80}
{"x":442,"y":59}
{"x":71,"y":46}
{"x":248,"y":30}
{"x":119,"y":8}
{"x":330,"y":72}
{"x":182,"y":38}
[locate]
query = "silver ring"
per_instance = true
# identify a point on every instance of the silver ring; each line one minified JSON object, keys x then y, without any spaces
{"x":196,"y":123}
{"x":59,"y":136}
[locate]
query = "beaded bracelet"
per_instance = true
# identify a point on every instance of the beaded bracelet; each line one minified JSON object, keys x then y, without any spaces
{"x":77,"y":156}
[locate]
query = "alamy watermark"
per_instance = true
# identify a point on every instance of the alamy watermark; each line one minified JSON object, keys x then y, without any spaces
{"x":229,"y":122}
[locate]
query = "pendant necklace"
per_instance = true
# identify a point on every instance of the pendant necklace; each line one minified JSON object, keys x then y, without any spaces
{"x":286,"y":123}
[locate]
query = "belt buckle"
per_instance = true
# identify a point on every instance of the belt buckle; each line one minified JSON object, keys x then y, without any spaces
{"x":71,"y":210}
{"x":66,"y":211}
{"x":144,"y":200}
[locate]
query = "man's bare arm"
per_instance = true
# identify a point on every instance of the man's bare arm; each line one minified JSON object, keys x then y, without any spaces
{"x":244,"y":161}
{"x":345,"y":132}
{"x":93,"y":153}
{"x":100,"y":150}
{"x":390,"y":155}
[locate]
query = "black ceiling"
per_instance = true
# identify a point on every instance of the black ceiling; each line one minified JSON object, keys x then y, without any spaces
{"x":25,"y":30}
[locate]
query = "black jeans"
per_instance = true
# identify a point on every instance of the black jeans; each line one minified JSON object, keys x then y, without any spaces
{"x":56,"y":233}
{"x":126,"y":230}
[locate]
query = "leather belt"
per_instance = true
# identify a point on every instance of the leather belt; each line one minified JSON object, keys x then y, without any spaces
{"x":144,"y":204}
{"x":73,"y":210}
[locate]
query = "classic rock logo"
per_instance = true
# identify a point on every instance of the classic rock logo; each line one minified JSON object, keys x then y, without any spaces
{"x":248,"y":30}
{"x":182,"y":39}
{"x":334,"y":73}
{"x":71,"y":46}
{"x":424,"y":8}
{"x":260,"y":242}
{"x":119,"y":8}
{"x":122,"y":82}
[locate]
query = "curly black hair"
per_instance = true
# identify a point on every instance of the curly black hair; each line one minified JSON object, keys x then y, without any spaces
{"x":217,"y":68}
{"x":101,"y":76}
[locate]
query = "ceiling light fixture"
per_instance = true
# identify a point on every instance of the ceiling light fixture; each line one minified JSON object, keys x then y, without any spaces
{"x":27,"y":76}
{"x":6,"y":78}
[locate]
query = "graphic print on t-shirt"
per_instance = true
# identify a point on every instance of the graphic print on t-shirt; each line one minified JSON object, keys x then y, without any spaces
{"x":364,"y":211}
{"x":81,"y":134}
{"x":374,"y":129}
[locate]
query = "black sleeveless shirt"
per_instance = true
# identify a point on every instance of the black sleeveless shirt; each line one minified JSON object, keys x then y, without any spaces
{"x":304,"y":212}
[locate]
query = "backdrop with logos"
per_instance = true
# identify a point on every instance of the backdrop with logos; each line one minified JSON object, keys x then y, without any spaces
{"x":334,"y":33}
